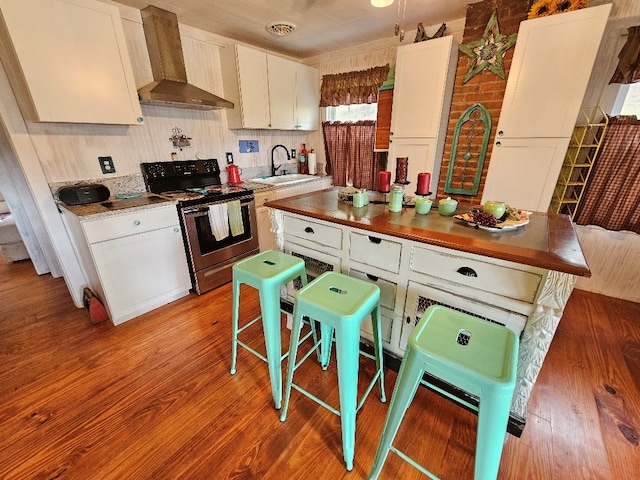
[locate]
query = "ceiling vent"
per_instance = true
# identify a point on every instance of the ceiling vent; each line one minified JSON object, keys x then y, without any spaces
{"x":281,"y":29}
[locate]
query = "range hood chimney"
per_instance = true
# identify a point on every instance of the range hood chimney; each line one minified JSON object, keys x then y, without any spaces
{"x":169,"y":87}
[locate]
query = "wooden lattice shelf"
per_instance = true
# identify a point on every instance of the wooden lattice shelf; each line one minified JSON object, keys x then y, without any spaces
{"x":582,"y":152}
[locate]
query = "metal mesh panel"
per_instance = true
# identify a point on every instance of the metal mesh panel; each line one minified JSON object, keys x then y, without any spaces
{"x":424,"y":303}
{"x":314,"y":267}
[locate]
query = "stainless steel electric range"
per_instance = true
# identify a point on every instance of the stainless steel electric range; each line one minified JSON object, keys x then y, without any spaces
{"x":218,"y":221}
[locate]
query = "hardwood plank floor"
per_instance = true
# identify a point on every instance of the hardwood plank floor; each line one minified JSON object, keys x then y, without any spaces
{"x":153,"y":399}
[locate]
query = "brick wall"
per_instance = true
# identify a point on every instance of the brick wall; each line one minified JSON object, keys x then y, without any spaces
{"x":486,"y":87}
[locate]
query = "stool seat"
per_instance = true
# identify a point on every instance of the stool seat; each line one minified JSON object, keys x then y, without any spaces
{"x":267,"y":272}
{"x":340,"y":304}
{"x":474,"y":355}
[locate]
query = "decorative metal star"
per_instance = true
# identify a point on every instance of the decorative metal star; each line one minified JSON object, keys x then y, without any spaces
{"x":488,"y":51}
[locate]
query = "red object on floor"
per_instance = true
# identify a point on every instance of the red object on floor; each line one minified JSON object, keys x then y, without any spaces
{"x":97,"y":312}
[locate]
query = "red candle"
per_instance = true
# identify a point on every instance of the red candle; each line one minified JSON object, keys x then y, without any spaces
{"x":384,"y":182}
{"x":424,"y":183}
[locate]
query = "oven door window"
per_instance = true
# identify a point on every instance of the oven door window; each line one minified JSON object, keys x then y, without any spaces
{"x":208,"y":242}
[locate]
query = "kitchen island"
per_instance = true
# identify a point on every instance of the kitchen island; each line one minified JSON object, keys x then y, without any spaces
{"x":520,"y":278}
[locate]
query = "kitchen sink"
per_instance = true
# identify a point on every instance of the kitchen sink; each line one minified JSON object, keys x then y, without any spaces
{"x":288,"y":179}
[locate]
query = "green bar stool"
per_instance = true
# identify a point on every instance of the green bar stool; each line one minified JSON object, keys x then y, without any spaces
{"x":472,"y":354}
{"x":340,"y":304}
{"x":267,"y":272}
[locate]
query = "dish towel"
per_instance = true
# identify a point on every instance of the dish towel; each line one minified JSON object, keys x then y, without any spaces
{"x":219,"y":221}
{"x":235,"y":218}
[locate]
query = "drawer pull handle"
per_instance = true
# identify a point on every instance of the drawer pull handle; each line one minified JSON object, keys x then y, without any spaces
{"x":467,"y":272}
{"x":309,"y":230}
{"x":408,"y":320}
{"x":375,"y":240}
{"x":136,"y":222}
{"x":373,"y":278}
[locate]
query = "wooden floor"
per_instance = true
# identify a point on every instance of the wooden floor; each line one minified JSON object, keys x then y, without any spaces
{"x":153,"y":398}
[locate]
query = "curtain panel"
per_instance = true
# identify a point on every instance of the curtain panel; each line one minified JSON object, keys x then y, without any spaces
{"x":349,"y":153}
{"x":612,"y":195}
{"x":351,"y":88}
{"x":628,"y":70}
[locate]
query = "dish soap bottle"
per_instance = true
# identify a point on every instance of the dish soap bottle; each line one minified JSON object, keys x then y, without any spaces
{"x":304,"y":166}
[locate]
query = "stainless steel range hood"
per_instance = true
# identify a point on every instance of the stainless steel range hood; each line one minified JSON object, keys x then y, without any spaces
{"x":170,"y":87}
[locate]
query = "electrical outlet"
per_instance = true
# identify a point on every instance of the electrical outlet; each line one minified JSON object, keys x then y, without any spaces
{"x":249,"y":146}
{"x":293,"y":153}
{"x":106,"y":164}
{"x":229,"y":156}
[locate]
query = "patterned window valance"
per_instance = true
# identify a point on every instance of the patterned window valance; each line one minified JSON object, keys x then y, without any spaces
{"x":350,"y":88}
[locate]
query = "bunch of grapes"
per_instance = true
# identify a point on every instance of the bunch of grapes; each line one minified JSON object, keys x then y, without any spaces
{"x":484,"y":218}
{"x":512,"y":213}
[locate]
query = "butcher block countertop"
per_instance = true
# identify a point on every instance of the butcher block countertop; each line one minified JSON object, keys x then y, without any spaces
{"x":548,"y":241}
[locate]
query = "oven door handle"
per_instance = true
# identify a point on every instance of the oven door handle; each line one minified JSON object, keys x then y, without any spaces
{"x":205,"y":208}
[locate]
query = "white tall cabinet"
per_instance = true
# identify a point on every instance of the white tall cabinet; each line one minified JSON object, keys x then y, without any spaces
{"x":551,"y":66}
{"x":425,"y":74}
{"x":269,"y":92}
{"x":68,"y":61}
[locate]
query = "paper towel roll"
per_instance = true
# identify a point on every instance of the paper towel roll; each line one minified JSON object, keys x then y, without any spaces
{"x":312,"y":164}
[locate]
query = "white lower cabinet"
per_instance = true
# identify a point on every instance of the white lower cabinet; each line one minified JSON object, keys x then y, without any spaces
{"x":135,"y":261}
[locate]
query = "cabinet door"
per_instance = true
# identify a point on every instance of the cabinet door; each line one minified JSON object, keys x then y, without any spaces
{"x":420,"y":297}
{"x":523,"y":172}
{"x":253,"y":87}
{"x":422,"y":158}
{"x":552,"y":63}
{"x":141,"y":272}
{"x":316,"y":264}
{"x":307,"y":98}
{"x":282,"y":87}
{"x":72,"y":56}
{"x":423,"y":87}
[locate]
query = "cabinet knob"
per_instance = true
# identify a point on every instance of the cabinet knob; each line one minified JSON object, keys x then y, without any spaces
{"x":467,"y":272}
{"x":501,"y":133}
{"x":309,"y":230}
{"x":136,"y":222}
{"x":498,"y":144}
{"x":176,"y":229}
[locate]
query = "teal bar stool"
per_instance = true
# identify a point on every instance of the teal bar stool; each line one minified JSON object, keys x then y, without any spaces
{"x":340,"y":304}
{"x":267,"y":272}
{"x":472,"y":354}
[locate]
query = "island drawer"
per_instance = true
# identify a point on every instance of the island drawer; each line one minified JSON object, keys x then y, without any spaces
{"x":313,"y":231}
{"x":131,"y":223}
{"x":387,"y":288}
{"x":475,"y":273}
{"x":375,"y":251}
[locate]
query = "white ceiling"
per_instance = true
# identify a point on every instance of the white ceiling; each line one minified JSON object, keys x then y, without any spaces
{"x":322,"y":25}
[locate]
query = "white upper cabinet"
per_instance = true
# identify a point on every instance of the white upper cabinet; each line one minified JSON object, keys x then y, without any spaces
{"x":307,"y":98}
{"x":425,"y":74}
{"x":244,"y":78}
{"x":68,"y":61}
{"x":423,"y":87}
{"x":282,"y":85}
{"x":552,"y":63}
{"x":269,"y":91}
{"x":551,"y":66}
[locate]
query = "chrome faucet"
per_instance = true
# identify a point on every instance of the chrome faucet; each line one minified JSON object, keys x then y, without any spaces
{"x":274,"y":169}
